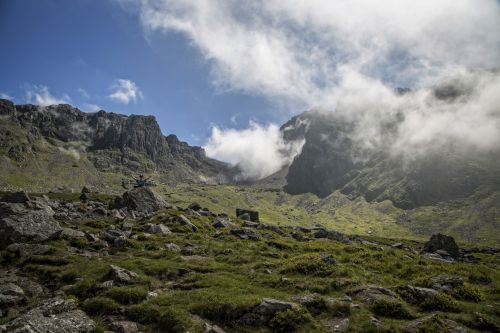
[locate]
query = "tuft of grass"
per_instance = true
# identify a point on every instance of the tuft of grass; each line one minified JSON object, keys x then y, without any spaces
{"x":289,"y":320}
{"x":308,"y":264}
{"x":392,"y":309}
{"x":100,"y":306}
{"x":467,"y":293}
{"x":127,"y":295}
{"x":144,"y":313}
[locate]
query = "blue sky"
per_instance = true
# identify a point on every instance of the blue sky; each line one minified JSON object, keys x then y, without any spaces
{"x":72,"y":45}
{"x":225,"y":74}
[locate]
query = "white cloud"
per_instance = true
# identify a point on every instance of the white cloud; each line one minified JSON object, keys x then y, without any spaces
{"x":125,"y":91}
{"x":258,"y":151}
{"x":89,"y":107}
{"x":293,"y":50}
{"x":83,"y":92}
{"x":40,"y":95}
{"x":5,"y":96}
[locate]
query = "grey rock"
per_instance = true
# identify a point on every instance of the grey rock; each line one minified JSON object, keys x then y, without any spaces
{"x":171,"y":247}
{"x":369,"y":294}
{"x":124,"y":327}
{"x":68,"y":233}
{"x":265,"y":311}
{"x":185,"y":221}
{"x":446,"y":283}
{"x":156,"y":229}
{"x":210,"y":328}
{"x":444,"y":325}
{"x":29,"y":226}
{"x":442,"y":242}
{"x":245,"y":233}
{"x":416,"y":295}
{"x":26,"y":249}
{"x":222,"y":222}
{"x":121,"y":275}
{"x":55,"y":315}
{"x":143,"y":199}
{"x":328,"y":258}
{"x":247,"y":214}
{"x":10,"y":294}
{"x":332,"y":235}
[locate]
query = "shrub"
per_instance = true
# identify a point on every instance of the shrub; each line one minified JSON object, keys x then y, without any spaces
{"x":309,"y":264}
{"x":174,"y":321}
{"x":289,"y":320}
{"x":467,"y":293}
{"x":127,"y":295}
{"x":439,"y":302}
{"x":100,"y":306}
{"x":144,"y":313}
{"x":391,"y":309}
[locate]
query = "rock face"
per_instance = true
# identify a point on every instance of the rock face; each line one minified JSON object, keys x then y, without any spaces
{"x":245,"y":233}
{"x":266,"y":310}
{"x":143,"y":199}
{"x":442,"y":242}
{"x":446,"y":283}
{"x":20,"y":225}
{"x":55,"y":315}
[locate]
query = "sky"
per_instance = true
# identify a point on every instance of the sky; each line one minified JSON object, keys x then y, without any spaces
{"x":225,"y":74}
{"x":78,"y":51}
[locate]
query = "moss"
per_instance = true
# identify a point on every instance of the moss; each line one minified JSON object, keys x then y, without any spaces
{"x":289,"y":320}
{"x":100,"y":306}
{"x":128,"y":295}
{"x":392,"y":309}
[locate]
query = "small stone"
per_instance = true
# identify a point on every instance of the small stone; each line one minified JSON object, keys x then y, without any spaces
{"x":121,"y":275}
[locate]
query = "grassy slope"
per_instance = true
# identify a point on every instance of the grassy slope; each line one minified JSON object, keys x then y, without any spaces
{"x":237,"y":274}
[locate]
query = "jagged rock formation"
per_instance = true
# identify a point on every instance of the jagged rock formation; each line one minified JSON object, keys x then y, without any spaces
{"x":100,"y":142}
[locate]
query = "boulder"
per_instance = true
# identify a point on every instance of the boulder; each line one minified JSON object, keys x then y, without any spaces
{"x":25,"y":249}
{"x":16,"y":197}
{"x":185,"y":221}
{"x":245,"y":233}
{"x":156,"y":229}
{"x":10,"y":294}
{"x":121,"y":275}
{"x":55,"y":315}
{"x":124,"y":326}
{"x":172,"y":247}
{"x":265,"y":311}
{"x":446,"y":283}
{"x":328,"y":258}
{"x":442,"y":242}
{"x":416,"y":295}
{"x":210,"y":328}
{"x":332,"y":235}
{"x":438,"y":324}
{"x":195,"y":206}
{"x":28,"y":226}
{"x":370,"y":294}
{"x":143,"y":199}
{"x":247,"y":214}
{"x":222,"y":222}
{"x":68,"y":233}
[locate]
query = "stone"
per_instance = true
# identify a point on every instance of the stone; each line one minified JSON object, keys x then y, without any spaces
{"x":85,"y":189}
{"x":247,"y":214}
{"x":100,"y":211}
{"x":442,"y":242}
{"x":171,"y":247}
{"x":222,"y":222}
{"x":143,"y":199}
{"x":111,"y":235}
{"x":185,"y":221}
{"x":10,"y":294}
{"x":68,"y":233}
{"x":127,"y":226}
{"x":438,"y":324}
{"x":332,"y":235}
{"x":446,"y":283}
{"x":265,"y":311}
{"x":121,"y":275}
{"x":124,"y":327}
{"x":416,"y":295}
{"x":28,"y":226}
{"x":369,"y":294}
{"x":194,"y":206}
{"x":245,"y":233}
{"x":328,"y":258}
{"x":116,"y":215}
{"x":55,"y":315}
{"x":156,"y":229}
{"x":209,"y":328}
{"x":397,"y":245}
{"x":26,"y":249}
{"x":336,"y":324}
{"x":16,"y":197}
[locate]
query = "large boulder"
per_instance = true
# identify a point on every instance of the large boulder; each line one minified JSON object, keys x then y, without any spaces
{"x":55,"y":315}
{"x":20,"y":225}
{"x":446,"y":282}
{"x":332,"y":235}
{"x":247,"y":214}
{"x":16,"y":197}
{"x":265,"y":311}
{"x":121,"y":275}
{"x":440,"y":242}
{"x":245,"y":233}
{"x":143,"y":199}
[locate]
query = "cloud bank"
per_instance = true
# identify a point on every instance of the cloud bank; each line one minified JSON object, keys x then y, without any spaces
{"x":125,"y":91}
{"x":348,"y":56}
{"x":258,"y":151}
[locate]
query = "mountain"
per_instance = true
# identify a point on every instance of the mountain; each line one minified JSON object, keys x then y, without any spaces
{"x":75,"y":148}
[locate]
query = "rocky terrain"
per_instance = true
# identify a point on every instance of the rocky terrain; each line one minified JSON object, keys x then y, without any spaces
{"x":90,"y":262}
